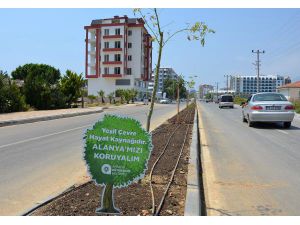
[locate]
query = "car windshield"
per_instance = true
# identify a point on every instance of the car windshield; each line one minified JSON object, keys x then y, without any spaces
{"x":227,"y":99}
{"x":269,"y":97}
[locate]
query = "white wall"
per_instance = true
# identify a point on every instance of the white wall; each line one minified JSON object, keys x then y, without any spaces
{"x":135,"y":51}
{"x":108,"y":85}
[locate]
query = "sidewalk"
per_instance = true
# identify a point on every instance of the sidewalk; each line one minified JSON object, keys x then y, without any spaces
{"x":8,"y":119}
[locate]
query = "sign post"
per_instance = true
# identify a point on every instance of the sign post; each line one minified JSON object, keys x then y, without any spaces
{"x":116,"y":152}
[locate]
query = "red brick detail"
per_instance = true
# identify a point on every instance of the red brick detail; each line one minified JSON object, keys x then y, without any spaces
{"x":91,"y":76}
{"x":112,"y":63}
{"x":86,"y":53}
{"x":103,"y":25}
{"x":112,"y":36}
{"x":135,"y":25}
{"x":111,"y":75}
{"x":97,"y":53}
{"x":112,"y":49}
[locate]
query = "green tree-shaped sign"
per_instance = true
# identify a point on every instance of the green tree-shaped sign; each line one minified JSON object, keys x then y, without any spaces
{"x":116,"y":152}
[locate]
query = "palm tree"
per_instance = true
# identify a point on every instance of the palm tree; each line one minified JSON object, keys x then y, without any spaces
{"x":101,"y":94}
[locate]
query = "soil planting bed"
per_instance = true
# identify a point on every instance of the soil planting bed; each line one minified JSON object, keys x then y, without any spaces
{"x":136,"y":199}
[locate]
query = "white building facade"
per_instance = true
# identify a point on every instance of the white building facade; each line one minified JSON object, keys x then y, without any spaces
{"x":248,"y":84}
{"x":163,"y":73}
{"x":118,"y":55}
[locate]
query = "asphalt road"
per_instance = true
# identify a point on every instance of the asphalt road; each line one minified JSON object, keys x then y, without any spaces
{"x":42,"y":159}
{"x":256,"y":171}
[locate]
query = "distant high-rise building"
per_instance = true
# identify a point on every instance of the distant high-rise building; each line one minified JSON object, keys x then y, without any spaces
{"x":163,"y":74}
{"x":118,"y":55}
{"x":247,"y":84}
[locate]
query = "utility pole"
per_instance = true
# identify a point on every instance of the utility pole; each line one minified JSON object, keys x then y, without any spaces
{"x":257,"y":52}
{"x":217,"y":90}
{"x":227,"y":76}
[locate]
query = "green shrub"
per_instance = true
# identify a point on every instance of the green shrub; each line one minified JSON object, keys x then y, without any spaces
{"x":238,"y":100}
{"x":92,"y":98}
{"x":297,"y":106}
{"x":72,"y":87}
{"x":40,"y":81}
{"x":11,"y":98}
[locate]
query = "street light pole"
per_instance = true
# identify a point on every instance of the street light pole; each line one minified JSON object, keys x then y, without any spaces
{"x":227,"y":76}
{"x":217,"y":90}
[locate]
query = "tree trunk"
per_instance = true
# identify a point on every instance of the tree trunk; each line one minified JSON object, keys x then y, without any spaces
{"x":178,"y":102}
{"x":187,"y":98}
{"x":155,"y":82}
{"x":107,"y":202}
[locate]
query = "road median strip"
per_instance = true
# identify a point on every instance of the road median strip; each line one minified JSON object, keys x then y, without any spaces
{"x":193,"y":198}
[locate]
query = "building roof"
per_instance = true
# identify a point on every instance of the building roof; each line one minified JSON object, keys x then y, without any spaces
{"x":129,"y":20}
{"x":291,"y":85}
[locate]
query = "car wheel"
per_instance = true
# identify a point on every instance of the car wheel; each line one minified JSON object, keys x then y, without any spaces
{"x":287,"y":124}
{"x":250,"y":123}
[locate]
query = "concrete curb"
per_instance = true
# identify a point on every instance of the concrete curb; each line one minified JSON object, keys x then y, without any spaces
{"x":193,"y":201}
{"x":45,"y":118}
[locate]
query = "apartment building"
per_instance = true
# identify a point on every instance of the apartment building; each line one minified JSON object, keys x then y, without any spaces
{"x":118,"y":55}
{"x":248,"y":84}
{"x":163,"y":74}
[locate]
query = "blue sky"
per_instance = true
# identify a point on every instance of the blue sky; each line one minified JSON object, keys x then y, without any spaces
{"x":56,"y":37}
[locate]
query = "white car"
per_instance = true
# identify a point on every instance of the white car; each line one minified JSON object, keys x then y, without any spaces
{"x":165,"y":101}
{"x":268,"y":107}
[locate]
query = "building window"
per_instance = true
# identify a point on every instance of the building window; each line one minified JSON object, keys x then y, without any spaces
{"x":117,"y":44}
{"x":129,"y":32}
{"x":123,"y":82}
{"x":106,"y":58}
{"x":129,"y":57}
{"x":117,"y":70}
{"x":106,"y":31}
{"x":106,"y":70}
{"x":117,"y":31}
{"x":129,"y":71}
{"x":129,"y":45}
{"x":106,"y":44}
{"x":117,"y":57}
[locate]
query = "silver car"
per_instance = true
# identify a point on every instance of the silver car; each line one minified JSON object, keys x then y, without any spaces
{"x":226,"y":101}
{"x":268,"y":107}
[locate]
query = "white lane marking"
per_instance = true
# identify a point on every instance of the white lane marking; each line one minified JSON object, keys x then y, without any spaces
{"x":47,"y":135}
{"x":281,"y":131}
{"x":44,"y":136}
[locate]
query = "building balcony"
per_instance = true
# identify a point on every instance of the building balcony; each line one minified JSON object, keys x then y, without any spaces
{"x":92,"y":52}
{"x":92,"y":40}
{"x":91,"y":64}
{"x":112,"y":36}
{"x":112,"y":49}
{"x":112,"y":63}
{"x":111,"y":75}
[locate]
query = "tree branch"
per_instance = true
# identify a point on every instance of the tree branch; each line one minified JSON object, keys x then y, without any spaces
{"x":147,"y":24}
{"x":177,"y":32}
{"x":158,"y":25}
